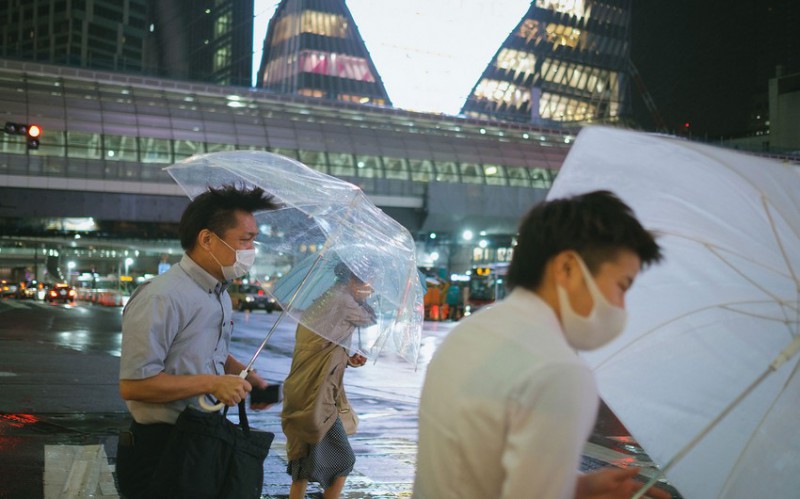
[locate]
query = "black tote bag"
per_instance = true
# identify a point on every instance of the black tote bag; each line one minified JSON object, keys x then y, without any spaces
{"x":207,"y":456}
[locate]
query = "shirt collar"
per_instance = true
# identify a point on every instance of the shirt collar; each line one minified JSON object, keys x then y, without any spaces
{"x":203,"y":279}
{"x":532,"y":305}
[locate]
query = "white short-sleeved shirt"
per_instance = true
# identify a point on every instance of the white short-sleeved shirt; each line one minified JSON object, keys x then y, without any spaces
{"x":179,"y":322}
{"x":506,"y":407}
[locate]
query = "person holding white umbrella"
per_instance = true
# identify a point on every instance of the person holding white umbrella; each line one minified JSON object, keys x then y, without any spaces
{"x":507,"y":404}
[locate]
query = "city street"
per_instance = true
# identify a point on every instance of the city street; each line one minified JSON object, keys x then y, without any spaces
{"x":60,"y":411}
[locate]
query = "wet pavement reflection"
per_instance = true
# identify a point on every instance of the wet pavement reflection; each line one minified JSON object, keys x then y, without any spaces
{"x":81,"y":344}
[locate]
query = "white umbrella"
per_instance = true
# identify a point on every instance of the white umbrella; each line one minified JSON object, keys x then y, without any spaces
{"x":717,"y":319}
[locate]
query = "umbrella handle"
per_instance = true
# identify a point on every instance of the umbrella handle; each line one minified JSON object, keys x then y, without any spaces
{"x":208,"y":407}
{"x":202,"y":399}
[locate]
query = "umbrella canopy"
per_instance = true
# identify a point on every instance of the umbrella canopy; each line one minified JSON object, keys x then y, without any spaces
{"x":324,"y":221}
{"x":709,"y":320}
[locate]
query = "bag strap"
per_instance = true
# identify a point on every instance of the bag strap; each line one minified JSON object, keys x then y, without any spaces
{"x":244,"y":424}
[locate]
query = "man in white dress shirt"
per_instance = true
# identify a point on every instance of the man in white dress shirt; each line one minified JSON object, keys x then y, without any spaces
{"x":507,"y":404}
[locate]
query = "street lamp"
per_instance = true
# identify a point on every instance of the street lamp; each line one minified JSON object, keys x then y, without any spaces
{"x":128,"y":263}
{"x":70,"y":269}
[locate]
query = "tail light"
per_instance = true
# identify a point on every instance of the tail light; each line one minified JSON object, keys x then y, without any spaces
{"x":72,"y":292}
{"x":53,"y":293}
{"x":260,"y":292}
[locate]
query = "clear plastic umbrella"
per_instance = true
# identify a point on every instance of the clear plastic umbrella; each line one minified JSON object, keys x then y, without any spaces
{"x":704,"y":375}
{"x":324,"y":221}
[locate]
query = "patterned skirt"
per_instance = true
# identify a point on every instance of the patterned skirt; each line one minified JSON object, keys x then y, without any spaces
{"x":327,"y":460}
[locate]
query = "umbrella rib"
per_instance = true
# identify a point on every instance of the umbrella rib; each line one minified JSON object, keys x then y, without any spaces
{"x":738,"y":463}
{"x":717,"y":251}
{"x":785,"y":355}
{"x":766,"y":291}
{"x":694,"y":147}
{"x":757,"y":316}
{"x":677,"y":319}
{"x":713,"y":247}
{"x":785,"y":258}
{"x":697,"y":438}
{"x":778,"y":238}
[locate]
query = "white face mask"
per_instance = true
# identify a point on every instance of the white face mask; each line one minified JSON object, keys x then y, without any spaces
{"x":244,"y":261}
{"x":604,"y":323}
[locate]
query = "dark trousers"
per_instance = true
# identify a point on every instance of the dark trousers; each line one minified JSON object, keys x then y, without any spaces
{"x":138,"y":454}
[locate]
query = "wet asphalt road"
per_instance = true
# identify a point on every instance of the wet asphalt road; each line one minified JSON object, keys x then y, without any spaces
{"x":59,"y":404}
{"x":58,"y":380}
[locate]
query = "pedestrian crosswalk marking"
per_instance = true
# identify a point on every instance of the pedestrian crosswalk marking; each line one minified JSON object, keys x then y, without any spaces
{"x":77,"y":471}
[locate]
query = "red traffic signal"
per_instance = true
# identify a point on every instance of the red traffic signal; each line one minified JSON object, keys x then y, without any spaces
{"x":34,"y":132}
{"x":31,"y":132}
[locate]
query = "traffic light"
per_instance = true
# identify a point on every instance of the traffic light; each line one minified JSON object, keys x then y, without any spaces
{"x":34,"y":132}
{"x":31,"y":132}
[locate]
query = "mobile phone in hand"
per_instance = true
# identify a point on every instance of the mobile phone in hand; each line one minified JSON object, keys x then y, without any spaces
{"x":272,"y":394}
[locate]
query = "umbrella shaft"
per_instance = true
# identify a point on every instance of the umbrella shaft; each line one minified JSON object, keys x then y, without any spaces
{"x":264,"y":343}
{"x":710,"y":426}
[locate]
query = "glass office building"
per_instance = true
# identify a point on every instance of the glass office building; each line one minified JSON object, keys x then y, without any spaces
{"x":201,"y":40}
{"x":313,"y":48}
{"x":98,"y":34}
{"x":566,"y":61}
{"x":198,"y":40}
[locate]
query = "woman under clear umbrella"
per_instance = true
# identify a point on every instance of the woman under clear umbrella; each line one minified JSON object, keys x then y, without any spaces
{"x":316,"y":416}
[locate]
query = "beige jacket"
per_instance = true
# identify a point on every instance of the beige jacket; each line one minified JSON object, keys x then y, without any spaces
{"x":313,"y":393}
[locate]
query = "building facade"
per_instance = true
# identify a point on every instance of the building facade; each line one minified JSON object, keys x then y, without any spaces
{"x":566,"y":61}
{"x":199,"y":40}
{"x":101,"y":34}
{"x":313,"y":48}
{"x":106,"y":138}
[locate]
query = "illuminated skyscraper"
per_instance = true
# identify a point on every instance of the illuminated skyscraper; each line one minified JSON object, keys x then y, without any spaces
{"x":313,"y":48}
{"x":566,"y":61}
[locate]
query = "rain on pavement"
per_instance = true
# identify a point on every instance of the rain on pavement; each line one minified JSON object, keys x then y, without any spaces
{"x":61,"y":411}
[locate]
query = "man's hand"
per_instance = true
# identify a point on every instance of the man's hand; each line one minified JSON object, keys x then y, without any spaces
{"x":230,"y":389}
{"x":613,"y":483}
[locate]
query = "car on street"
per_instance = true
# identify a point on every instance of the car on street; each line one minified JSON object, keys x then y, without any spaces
{"x":7,"y":289}
{"x":251,"y":297}
{"x":61,"y":292}
{"x":26,"y":291}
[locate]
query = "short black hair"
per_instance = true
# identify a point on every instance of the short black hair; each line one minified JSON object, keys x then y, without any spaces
{"x":597,"y":225}
{"x":216,"y":209}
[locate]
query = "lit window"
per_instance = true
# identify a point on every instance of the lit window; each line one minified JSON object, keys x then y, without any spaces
{"x":571,"y":7}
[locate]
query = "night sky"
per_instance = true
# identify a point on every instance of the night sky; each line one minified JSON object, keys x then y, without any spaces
{"x":705,"y":61}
